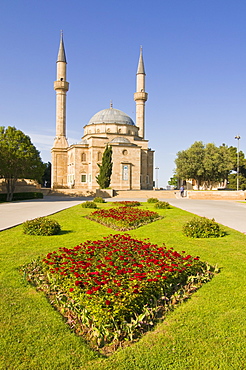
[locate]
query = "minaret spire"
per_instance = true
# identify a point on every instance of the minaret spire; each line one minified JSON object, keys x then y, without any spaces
{"x":140,"y":96}
{"x":141,"y":69}
{"x":61,"y":53}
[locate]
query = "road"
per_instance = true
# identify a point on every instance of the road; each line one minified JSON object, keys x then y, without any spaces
{"x":228,"y":213}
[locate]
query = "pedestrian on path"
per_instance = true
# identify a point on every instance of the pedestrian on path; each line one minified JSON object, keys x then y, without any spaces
{"x":181,"y":191}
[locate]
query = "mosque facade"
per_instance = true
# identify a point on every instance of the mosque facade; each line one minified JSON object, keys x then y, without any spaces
{"x":76,"y":166}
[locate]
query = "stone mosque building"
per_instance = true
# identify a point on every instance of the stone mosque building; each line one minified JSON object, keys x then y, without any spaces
{"x":76,"y":166}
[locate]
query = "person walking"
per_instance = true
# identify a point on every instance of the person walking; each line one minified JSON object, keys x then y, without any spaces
{"x":181,"y":191}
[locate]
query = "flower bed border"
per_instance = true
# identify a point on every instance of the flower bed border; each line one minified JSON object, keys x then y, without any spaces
{"x":109,"y":222}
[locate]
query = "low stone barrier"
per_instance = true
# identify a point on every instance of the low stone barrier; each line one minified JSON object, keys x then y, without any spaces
{"x":217,"y":194}
{"x":105,"y":193}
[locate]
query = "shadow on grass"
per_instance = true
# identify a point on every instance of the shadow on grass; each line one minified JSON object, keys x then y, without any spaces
{"x":63,"y":232}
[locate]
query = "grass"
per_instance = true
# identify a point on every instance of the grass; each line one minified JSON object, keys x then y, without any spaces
{"x":206,"y":332}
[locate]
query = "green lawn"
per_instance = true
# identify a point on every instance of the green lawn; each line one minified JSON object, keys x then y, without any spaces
{"x":206,"y":332}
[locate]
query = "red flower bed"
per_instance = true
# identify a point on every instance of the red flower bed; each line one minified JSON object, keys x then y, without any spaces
{"x":123,"y":218}
{"x":114,"y":288}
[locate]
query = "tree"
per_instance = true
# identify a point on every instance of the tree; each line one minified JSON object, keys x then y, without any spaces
{"x":104,"y":177}
{"x":174,"y":181}
{"x":204,"y":163}
{"x":242,"y":160}
{"x":232,"y":181}
{"x":46,"y":178}
{"x":217,"y":164}
{"x":189,"y":163}
{"x":19,"y":159}
{"x":232,"y":178}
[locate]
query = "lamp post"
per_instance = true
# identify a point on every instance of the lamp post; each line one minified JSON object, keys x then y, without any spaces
{"x":156,"y":177}
{"x":238,"y":138}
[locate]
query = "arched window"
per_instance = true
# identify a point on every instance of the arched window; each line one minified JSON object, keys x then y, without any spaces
{"x":83,"y":157}
{"x":99,"y":156}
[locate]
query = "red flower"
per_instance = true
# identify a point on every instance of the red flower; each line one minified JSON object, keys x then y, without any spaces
{"x":107,"y":302}
{"x":109,"y":290}
{"x":96,"y":288}
{"x":71,"y":290}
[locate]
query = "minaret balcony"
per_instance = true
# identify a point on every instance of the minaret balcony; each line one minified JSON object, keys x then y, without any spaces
{"x":140,"y":96}
{"x":63,"y":85}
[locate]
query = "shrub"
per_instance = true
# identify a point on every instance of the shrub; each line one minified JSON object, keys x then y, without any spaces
{"x":88,"y":204}
{"x":202,"y":228}
{"x":152,"y":200}
{"x":41,"y":226}
{"x":23,"y":196}
{"x":128,"y":203}
{"x":98,"y":200}
{"x":115,"y":289}
{"x":162,"y":205}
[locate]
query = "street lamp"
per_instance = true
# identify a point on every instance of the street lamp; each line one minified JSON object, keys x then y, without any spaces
{"x":156,"y":177}
{"x":238,"y":138}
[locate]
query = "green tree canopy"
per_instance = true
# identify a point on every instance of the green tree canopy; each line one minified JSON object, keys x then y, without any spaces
{"x":242,"y":160}
{"x":173,"y":181}
{"x":189,"y":163}
{"x":19,"y":158}
{"x":204,"y":163}
{"x":104,"y":177}
{"x":242,"y":169}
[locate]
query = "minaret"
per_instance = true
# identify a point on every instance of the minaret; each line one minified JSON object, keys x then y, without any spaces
{"x":61,"y":86}
{"x":140,"y":96}
{"x":59,"y":150}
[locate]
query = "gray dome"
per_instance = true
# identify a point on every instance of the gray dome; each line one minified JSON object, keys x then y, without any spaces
{"x":111,"y":115}
{"x":119,"y":139}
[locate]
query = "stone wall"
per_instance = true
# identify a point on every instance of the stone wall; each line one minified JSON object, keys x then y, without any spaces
{"x":217,"y":195}
{"x":22,"y":186}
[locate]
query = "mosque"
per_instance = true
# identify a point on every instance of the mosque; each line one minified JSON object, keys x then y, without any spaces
{"x":76,"y":166}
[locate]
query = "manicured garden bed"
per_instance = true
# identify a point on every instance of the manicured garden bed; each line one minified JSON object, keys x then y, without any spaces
{"x":115,"y":289}
{"x":124,"y":218}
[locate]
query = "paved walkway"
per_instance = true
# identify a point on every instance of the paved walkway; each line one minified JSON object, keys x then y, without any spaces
{"x":14,"y":213}
{"x":228,"y":213}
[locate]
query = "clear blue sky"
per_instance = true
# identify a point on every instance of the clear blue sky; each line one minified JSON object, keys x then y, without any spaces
{"x":195,"y":61}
